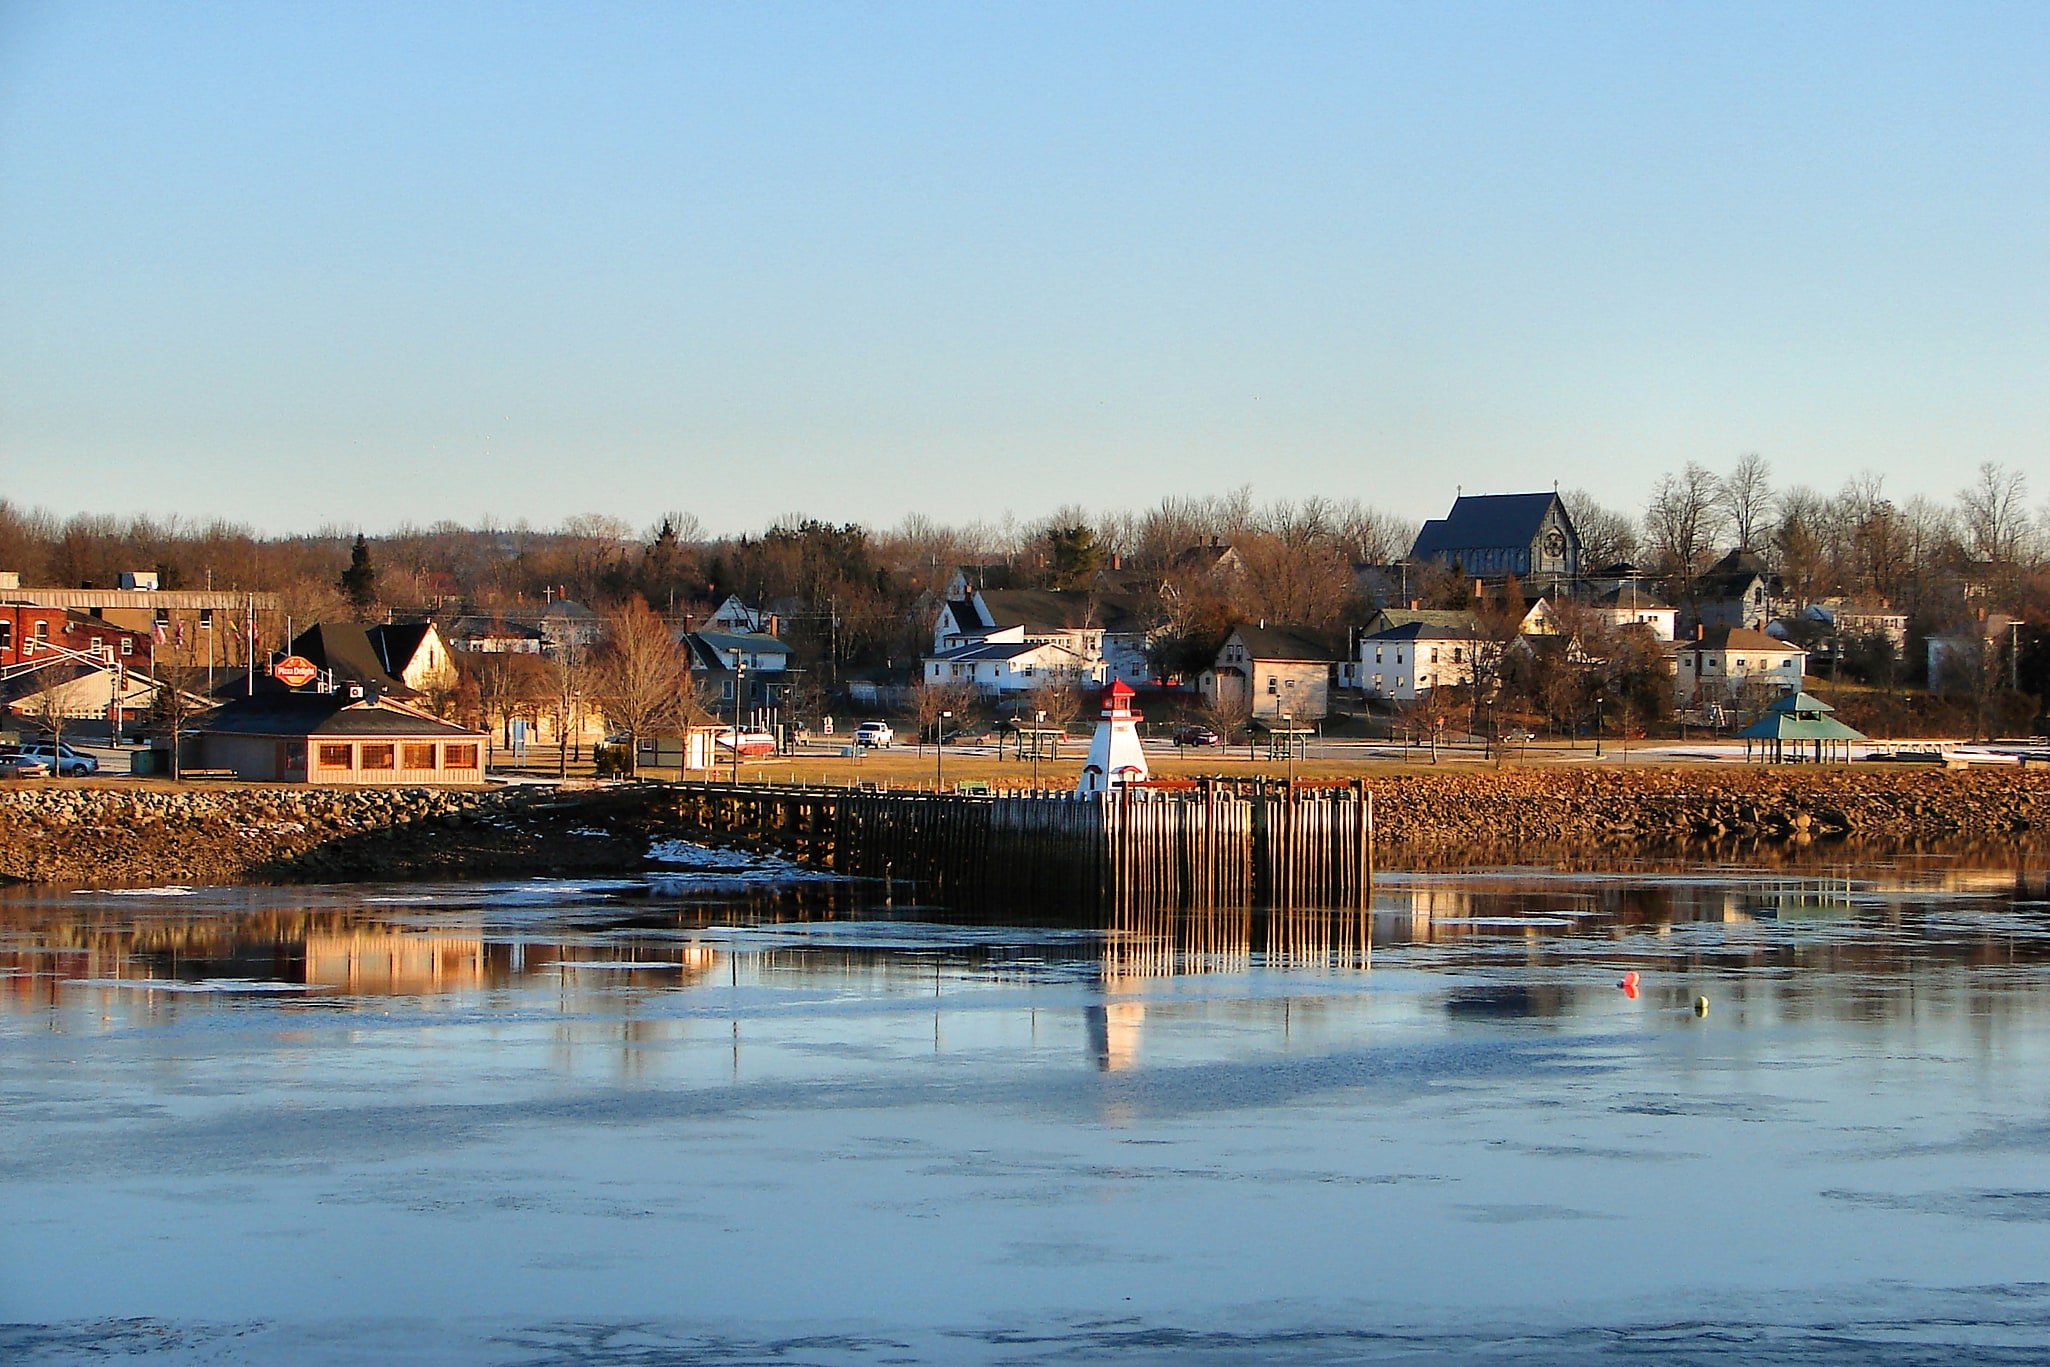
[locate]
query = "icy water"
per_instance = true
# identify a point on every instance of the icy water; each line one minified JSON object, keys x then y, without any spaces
{"x":711,"y":1121}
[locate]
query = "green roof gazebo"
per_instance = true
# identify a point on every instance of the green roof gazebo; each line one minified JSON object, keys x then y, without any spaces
{"x":1796,"y":720}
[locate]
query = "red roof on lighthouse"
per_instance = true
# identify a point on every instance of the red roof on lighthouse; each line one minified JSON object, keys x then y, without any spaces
{"x":1117,"y":699}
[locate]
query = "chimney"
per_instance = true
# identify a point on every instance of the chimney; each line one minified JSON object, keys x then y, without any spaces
{"x":773,"y":625}
{"x":1415,"y":603}
{"x":1701,"y":631}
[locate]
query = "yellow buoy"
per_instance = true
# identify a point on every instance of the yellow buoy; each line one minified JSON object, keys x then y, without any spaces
{"x":1701,"y":1006}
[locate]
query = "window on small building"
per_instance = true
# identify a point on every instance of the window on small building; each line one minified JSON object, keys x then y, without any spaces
{"x":335,"y":756}
{"x":418,"y":754}
{"x":459,"y":756}
{"x":43,"y":633}
{"x":206,"y":619}
{"x":1273,"y":686}
{"x":380,"y":755}
{"x":163,"y":617}
{"x":127,"y":645}
{"x":6,"y":635}
{"x":98,"y":649}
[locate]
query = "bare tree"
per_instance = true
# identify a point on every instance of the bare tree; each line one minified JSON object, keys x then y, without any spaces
{"x":1994,"y":509}
{"x":640,"y":678}
{"x":1682,"y":521}
{"x":1744,"y":498}
{"x":1606,"y":536}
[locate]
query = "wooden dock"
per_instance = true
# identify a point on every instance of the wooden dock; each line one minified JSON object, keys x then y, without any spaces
{"x":1201,"y":843}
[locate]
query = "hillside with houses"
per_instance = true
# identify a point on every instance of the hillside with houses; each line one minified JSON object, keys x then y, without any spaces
{"x":1528,"y":612}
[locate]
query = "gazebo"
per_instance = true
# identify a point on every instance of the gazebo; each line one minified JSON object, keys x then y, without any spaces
{"x":1795,"y":720}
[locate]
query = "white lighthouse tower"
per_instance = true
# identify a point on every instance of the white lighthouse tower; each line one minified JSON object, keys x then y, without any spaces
{"x":1115,"y":758}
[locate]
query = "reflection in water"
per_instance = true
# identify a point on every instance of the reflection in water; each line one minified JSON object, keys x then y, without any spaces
{"x":575,"y":1108}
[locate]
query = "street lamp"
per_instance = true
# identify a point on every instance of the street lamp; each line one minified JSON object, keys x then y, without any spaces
{"x":739,"y":676}
{"x":939,"y":748}
{"x":1038,"y":739}
{"x":1597,"y":725}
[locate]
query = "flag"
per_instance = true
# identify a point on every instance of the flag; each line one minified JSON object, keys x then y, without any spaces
{"x":181,"y":633}
{"x":159,"y":632}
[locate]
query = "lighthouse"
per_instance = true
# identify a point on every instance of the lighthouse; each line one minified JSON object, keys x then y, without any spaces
{"x":1114,"y":755}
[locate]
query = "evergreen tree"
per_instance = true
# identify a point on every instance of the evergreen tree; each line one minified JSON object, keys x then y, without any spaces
{"x":359,"y":581}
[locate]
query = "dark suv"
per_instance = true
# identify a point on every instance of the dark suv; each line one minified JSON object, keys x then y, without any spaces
{"x":1196,"y":735}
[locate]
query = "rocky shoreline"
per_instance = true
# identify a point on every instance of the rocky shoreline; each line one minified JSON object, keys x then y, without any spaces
{"x":100,"y":835}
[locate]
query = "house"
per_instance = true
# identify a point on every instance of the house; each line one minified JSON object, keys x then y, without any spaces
{"x":415,"y":655}
{"x":1737,"y":591}
{"x":1967,"y":659}
{"x":213,"y":627}
{"x":1102,"y":627}
{"x":1728,"y":665}
{"x":493,"y":636}
{"x":1631,"y":604}
{"x":35,"y":634}
{"x":755,"y":662}
{"x":1408,"y":658}
{"x":564,"y":623}
{"x":276,"y":735}
{"x":1219,"y":560}
{"x":1006,"y":668}
{"x":1275,"y":670}
{"x":734,"y":615}
{"x":1496,"y":535}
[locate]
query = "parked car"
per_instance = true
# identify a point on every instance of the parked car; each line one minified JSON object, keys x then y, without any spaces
{"x":874,"y":733}
{"x":751,"y":743}
{"x":1196,"y":735}
{"x":14,"y":764}
{"x":67,"y":762}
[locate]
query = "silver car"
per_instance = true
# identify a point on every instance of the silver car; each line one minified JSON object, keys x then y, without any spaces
{"x":67,"y":762}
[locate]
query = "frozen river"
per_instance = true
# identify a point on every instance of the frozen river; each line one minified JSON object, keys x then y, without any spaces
{"x":624,"y":1123}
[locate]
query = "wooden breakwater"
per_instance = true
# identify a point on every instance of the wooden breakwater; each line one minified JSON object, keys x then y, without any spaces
{"x":1198,"y":844}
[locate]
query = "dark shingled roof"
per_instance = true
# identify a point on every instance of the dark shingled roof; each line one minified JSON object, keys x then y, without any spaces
{"x":1484,"y":520}
{"x":1291,"y":643}
{"x":1730,"y":576}
{"x":396,"y":643}
{"x":346,"y":648}
{"x":324,"y":714}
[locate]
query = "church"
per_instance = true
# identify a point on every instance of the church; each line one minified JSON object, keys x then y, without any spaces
{"x":1492,"y":536}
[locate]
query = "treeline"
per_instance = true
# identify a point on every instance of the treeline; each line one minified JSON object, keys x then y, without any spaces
{"x":867,"y":595}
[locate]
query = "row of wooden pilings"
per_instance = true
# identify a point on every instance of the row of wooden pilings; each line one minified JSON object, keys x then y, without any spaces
{"x":1201,"y":843}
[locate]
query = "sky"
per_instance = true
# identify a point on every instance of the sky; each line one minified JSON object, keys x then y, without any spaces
{"x":371,"y":264}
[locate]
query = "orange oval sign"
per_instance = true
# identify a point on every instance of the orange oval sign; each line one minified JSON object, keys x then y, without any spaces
{"x":294,"y":671}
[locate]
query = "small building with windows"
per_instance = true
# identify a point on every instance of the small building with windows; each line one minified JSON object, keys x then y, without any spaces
{"x":1407,"y":659}
{"x":1725,"y":665}
{"x":337,"y":739}
{"x":1272,"y":671}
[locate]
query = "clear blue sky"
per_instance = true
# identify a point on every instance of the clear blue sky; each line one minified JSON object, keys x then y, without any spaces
{"x":375,"y":263}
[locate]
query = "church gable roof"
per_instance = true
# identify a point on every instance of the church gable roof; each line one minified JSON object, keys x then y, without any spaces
{"x":1486,"y":520}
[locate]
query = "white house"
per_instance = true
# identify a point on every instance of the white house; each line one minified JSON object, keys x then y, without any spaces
{"x":1403,"y":661}
{"x":1631,"y":604}
{"x":1100,"y":628}
{"x":1723,"y":664}
{"x":1001,"y":667}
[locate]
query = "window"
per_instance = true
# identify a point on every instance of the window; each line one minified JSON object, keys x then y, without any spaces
{"x":163,"y":617}
{"x":206,"y":619}
{"x":334,"y":756}
{"x":1434,"y":654}
{"x":418,"y":754}
{"x":459,"y":756}
{"x":43,"y":633}
{"x":1377,"y":654}
{"x":1272,"y":685}
{"x":6,"y":635}
{"x":127,"y":645}
{"x":1458,"y":655}
{"x":380,"y":755}
{"x":98,"y":649}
